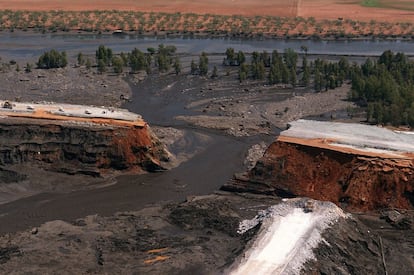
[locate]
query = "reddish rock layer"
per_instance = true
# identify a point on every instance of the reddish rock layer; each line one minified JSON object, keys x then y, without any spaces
{"x":353,"y":181}
{"x":74,"y":147}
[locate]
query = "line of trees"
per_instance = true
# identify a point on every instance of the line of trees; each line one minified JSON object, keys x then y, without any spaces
{"x":282,"y":68}
{"x":162,"y":58}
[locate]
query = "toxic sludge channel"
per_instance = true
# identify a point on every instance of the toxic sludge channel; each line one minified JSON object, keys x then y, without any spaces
{"x":190,"y":137}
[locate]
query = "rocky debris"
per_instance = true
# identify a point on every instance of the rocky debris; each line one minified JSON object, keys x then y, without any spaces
{"x":84,"y":148}
{"x":243,"y":109}
{"x":254,"y":154}
{"x":355,"y":178}
{"x":235,"y":126}
{"x":398,"y":219}
{"x":58,"y":85}
{"x":198,"y":236}
{"x":6,"y":253}
{"x":341,"y":252}
{"x":34,"y":230}
{"x":9,"y":176}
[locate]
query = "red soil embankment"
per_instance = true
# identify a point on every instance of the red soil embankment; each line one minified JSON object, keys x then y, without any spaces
{"x":352,"y":181}
{"x":76,"y":147}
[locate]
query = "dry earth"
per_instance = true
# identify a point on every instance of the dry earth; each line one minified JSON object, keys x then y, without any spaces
{"x":198,"y":236}
{"x":58,"y":85}
{"x":319,"y":9}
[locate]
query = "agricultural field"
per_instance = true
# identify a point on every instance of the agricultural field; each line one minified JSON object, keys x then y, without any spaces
{"x":384,"y":10}
{"x":244,"y":18}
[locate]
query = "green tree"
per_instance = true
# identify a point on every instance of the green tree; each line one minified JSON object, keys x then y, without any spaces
{"x":137,"y":61}
{"x":117,"y":64}
{"x":177,"y":66}
{"x":317,"y":83}
{"x":28,"y":67}
{"x":291,"y":58}
{"x":285,"y":73}
{"x":124,"y":57}
{"x":293,"y":77}
{"x":88,"y":64}
{"x":203,"y":64}
{"x":105,"y":54}
{"x":243,"y":72}
{"x":230,"y":59}
{"x":214,"y":74}
{"x":265,"y":58}
{"x":164,"y":58}
{"x":241,"y":58}
{"x":194,"y":68}
{"x":306,"y":72}
{"x":274,"y":74}
{"x":80,"y":59}
{"x":151,"y":50}
{"x":101,"y":66}
{"x":52,"y":59}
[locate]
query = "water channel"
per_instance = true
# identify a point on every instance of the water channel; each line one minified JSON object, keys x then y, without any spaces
{"x":29,"y":46}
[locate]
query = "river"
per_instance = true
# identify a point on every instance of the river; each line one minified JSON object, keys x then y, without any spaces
{"x":29,"y":46}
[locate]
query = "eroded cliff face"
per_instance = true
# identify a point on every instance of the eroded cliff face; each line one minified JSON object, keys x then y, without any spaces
{"x":354,"y":181}
{"x":80,"y":147}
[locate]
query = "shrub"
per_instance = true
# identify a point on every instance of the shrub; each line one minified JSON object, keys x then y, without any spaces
{"x":52,"y":59}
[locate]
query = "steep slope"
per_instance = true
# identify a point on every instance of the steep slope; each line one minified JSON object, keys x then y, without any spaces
{"x":82,"y":139}
{"x":356,"y":166}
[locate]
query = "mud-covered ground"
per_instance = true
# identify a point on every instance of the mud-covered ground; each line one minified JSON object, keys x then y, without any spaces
{"x":198,"y":236}
{"x":209,"y":126}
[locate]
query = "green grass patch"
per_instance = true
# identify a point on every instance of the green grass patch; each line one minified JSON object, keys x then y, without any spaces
{"x":371,"y":3}
{"x":407,"y":5}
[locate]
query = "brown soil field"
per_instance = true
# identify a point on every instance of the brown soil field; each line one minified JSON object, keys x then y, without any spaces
{"x":227,"y":7}
{"x":351,"y":9}
{"x":394,"y":11}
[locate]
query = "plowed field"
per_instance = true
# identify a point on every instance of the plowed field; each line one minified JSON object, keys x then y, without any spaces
{"x":367,"y":10}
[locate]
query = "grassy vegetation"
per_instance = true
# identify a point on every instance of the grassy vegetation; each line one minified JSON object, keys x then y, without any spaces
{"x":407,"y":5}
{"x":371,"y":3}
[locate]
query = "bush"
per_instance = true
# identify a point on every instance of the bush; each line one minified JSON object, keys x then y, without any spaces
{"x":52,"y":59}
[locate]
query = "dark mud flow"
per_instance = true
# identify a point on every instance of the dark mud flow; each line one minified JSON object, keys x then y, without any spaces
{"x":217,"y":158}
{"x":203,"y":174}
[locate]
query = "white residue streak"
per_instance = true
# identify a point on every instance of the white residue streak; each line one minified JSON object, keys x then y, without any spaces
{"x":358,"y":136}
{"x":70,"y":110}
{"x":287,"y":236}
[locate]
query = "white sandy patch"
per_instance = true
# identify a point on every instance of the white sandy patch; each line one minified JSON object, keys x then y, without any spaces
{"x":362,"y":137}
{"x":72,"y":110}
{"x":287,"y":237}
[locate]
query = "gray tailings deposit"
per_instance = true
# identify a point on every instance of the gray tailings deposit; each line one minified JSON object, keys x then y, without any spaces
{"x":214,"y":159}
